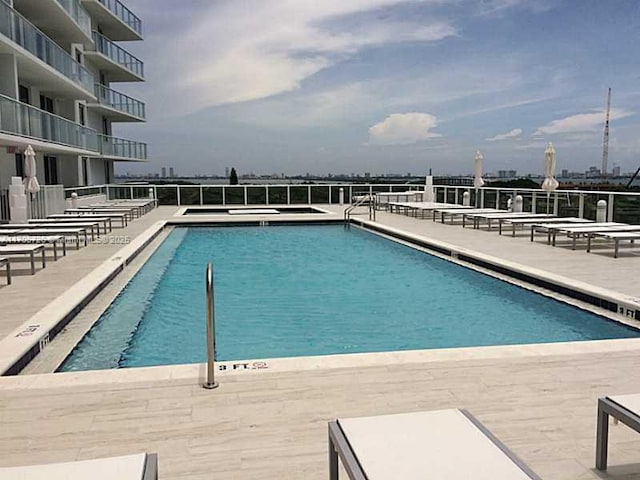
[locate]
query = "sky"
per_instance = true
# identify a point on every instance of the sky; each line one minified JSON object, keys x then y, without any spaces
{"x":385,"y":86}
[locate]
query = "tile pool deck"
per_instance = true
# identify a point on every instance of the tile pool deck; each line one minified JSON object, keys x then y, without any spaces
{"x":272,"y":424}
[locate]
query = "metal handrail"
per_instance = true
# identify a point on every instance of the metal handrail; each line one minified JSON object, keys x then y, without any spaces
{"x":365,"y":198}
{"x":210,"y":382}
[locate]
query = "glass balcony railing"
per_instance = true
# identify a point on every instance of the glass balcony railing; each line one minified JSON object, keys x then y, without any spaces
{"x":17,"y":118}
{"x":118,"y":54}
{"x":119,"y":101}
{"x":123,"y":13}
{"x":78,"y":13}
{"x":119,"y":147}
{"x":15,"y":27}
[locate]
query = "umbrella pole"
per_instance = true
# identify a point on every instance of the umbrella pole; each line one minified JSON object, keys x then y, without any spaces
{"x":548,"y":200}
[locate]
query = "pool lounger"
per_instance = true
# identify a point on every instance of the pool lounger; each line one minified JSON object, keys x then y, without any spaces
{"x":585,"y":230}
{"x":6,"y":264}
{"x":625,"y":408}
{"x":133,"y":212}
{"x":460,"y":212}
{"x":21,"y":249}
{"x":92,"y":227}
{"x":25,"y":238}
{"x":501,"y":217}
{"x":438,"y":444}
{"x":145,"y":204}
{"x":101,"y":211}
{"x":124,"y":221}
{"x":550,"y":227}
{"x":412,"y":208}
{"x":75,"y":233}
{"x":385,"y":197}
{"x":137,"y":210}
{"x":617,"y":236}
{"x":533,"y":221}
{"x":142,"y":466}
{"x":100,"y":221}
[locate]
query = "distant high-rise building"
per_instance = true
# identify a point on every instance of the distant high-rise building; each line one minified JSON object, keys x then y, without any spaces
{"x":565,"y":173}
{"x":227,"y":171}
{"x":172,"y":174}
{"x":164,"y":172}
{"x":367,"y":175}
{"x":616,"y":171}
{"x":593,"y":172}
{"x":507,"y":173}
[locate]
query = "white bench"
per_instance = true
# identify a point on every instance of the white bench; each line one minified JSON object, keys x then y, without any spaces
{"x":26,"y":239}
{"x":30,"y":250}
{"x":441,"y":444}
{"x":93,"y":216}
{"x":130,"y":467}
{"x":617,"y":237}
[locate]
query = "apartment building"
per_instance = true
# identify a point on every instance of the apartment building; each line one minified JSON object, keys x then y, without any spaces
{"x":61,"y":66}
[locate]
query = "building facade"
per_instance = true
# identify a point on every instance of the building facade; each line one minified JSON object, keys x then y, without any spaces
{"x":60,"y":74}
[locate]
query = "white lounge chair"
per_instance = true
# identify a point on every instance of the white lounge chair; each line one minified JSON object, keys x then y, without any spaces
{"x":460,"y":212}
{"x":533,"y":221}
{"x":5,"y":263}
{"x":101,"y":211}
{"x":30,"y":250}
{"x":617,"y":237}
{"x":501,"y":217}
{"x":101,"y":221}
{"x":442,"y":444}
{"x":91,"y":227}
{"x":75,"y":233}
{"x":142,"y":466}
{"x":84,"y":214}
{"x":550,"y":227}
{"x":625,"y":408}
{"x":422,"y":207}
{"x":53,"y":240}
{"x":136,"y":210}
{"x":585,"y":230}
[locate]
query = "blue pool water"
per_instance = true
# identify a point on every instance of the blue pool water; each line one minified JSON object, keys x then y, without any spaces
{"x":286,"y":291}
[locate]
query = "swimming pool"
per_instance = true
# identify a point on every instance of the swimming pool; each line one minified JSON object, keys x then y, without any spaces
{"x":286,"y":291}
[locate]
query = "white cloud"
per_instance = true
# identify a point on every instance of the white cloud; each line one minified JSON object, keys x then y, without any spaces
{"x":403,"y":128}
{"x":516,"y":132}
{"x":582,"y":122}
{"x":243,"y":51}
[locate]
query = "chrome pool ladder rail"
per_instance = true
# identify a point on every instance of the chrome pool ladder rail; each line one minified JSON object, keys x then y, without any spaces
{"x":369,"y":199}
{"x":210,"y":382}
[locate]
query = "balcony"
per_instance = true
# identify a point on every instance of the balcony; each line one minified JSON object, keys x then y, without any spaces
{"x":41,"y":61}
{"x":24,"y":120}
{"x":121,"y":65}
{"x":117,"y":106}
{"x":65,"y":21}
{"x":114,"y":148}
{"x":116,"y":21}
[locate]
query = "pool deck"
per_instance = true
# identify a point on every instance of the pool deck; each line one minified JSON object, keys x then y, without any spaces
{"x":271,"y":424}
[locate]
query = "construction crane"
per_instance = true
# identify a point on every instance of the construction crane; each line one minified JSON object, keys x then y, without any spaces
{"x":605,"y":143}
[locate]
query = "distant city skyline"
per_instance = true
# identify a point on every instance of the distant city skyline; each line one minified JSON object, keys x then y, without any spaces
{"x":376,"y":85}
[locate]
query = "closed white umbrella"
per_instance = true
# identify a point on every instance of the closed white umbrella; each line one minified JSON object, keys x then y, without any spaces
{"x":31,"y":184}
{"x":478,"y":181}
{"x":429,"y":195}
{"x":550,"y":183}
